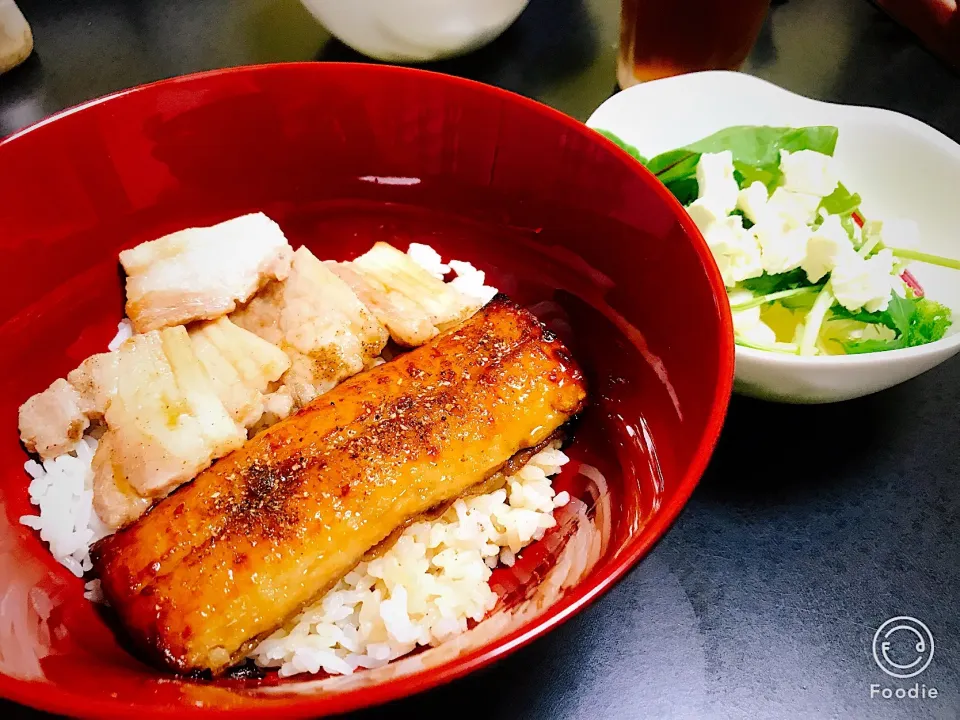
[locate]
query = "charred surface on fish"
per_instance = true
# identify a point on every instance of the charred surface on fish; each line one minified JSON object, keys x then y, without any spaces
{"x":237,"y":552}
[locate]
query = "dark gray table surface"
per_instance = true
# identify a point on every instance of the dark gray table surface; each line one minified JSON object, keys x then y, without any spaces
{"x":812,"y":526}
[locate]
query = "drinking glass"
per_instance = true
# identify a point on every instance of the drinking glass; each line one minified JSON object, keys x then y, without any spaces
{"x":660,"y":38}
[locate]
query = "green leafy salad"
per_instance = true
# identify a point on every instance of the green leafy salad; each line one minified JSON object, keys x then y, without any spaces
{"x":806,"y":272}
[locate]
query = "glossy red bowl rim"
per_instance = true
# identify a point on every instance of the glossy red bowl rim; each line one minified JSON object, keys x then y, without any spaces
{"x":52,"y":699}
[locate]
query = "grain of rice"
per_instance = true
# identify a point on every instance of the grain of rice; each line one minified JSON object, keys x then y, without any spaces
{"x":429,"y":259}
{"x":471,"y":282}
{"x":124,"y":332}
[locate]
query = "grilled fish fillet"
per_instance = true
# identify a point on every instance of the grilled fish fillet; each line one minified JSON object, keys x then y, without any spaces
{"x":202,"y":273}
{"x":228,"y":558}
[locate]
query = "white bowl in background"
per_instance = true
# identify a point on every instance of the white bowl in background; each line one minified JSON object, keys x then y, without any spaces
{"x":898,"y":165}
{"x":415,"y":30}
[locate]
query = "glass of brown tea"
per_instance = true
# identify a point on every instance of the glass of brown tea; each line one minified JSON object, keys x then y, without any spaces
{"x":660,"y":38}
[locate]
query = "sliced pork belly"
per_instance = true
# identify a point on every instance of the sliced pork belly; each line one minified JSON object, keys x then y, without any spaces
{"x":319,"y":322}
{"x":202,"y":273}
{"x":412,"y":303}
{"x":96,"y":381}
{"x":240,"y":365}
{"x":53,"y":421}
{"x":114,"y":499}
{"x":180,"y":402}
{"x":172,"y":402}
{"x":166,"y":421}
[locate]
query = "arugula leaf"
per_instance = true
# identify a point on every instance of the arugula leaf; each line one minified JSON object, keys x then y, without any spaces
{"x":755,"y":149}
{"x":900,"y":312}
{"x":844,"y":203}
{"x":917,"y":321}
{"x":760,"y":145}
{"x":859,"y":347}
{"x":627,"y":147}
{"x":841,"y":201}
{"x":680,"y":162}
{"x":685,"y":190}
{"x":896,"y":316}
{"x":746,"y":174}
{"x":766,"y":284}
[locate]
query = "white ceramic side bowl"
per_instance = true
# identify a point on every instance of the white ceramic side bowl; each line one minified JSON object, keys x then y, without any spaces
{"x":898,"y":165}
{"x":415,"y":30}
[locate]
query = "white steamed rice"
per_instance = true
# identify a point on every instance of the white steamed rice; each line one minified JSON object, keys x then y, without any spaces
{"x":62,"y":488}
{"x":468,"y":280}
{"x":124,"y":332}
{"x":427,"y":587}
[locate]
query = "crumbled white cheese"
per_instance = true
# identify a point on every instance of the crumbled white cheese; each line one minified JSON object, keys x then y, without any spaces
{"x":797,"y":208}
{"x":717,"y":185}
{"x":825,"y":247}
{"x":782,"y":238}
{"x":735,"y":250}
{"x":808,"y":172}
{"x":783,"y":244}
{"x":752,"y":201}
{"x":859,"y":283}
{"x":854,"y":330}
{"x":748,"y":325}
{"x":704,"y":214}
{"x":738,"y":296}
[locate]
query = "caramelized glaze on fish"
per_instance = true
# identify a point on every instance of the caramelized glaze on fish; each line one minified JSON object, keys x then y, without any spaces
{"x":231,"y":556}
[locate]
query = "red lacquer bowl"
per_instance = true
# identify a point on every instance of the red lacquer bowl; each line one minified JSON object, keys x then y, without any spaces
{"x":340,"y":156}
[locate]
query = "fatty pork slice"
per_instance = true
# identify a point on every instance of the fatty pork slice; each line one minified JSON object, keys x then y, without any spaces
{"x":240,"y":365}
{"x":96,"y":381}
{"x":413,"y":304}
{"x":166,"y":422}
{"x":202,"y":273}
{"x":114,"y":499}
{"x":53,"y":421}
{"x":328,"y":334}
